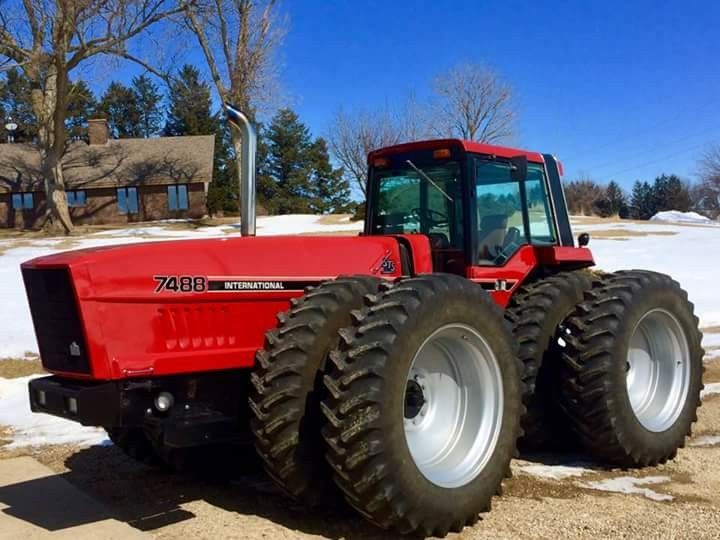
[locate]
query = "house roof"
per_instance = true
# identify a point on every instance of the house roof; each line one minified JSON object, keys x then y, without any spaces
{"x":120,"y":162}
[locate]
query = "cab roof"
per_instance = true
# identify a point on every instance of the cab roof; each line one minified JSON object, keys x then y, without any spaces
{"x":467,"y":146}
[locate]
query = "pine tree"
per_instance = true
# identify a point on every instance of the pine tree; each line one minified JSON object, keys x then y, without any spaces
{"x":148,"y":100}
{"x":641,"y":201}
{"x":224,"y":191}
{"x":120,"y":108}
{"x":296,"y":175}
{"x":15,"y":103}
{"x":331,"y":189}
{"x":285,"y":185}
{"x":81,"y":106}
{"x":616,"y":199}
{"x":190,"y":105}
{"x":669,"y":193}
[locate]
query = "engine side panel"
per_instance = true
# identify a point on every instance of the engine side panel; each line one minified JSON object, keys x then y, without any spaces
{"x":179,"y":307}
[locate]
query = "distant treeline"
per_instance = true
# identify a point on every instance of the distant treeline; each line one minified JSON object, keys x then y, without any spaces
{"x":666,"y":192}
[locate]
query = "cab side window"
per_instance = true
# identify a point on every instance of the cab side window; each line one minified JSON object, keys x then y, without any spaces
{"x":542,"y":230}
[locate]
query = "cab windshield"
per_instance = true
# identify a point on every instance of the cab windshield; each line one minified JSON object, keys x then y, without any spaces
{"x":419,"y":197}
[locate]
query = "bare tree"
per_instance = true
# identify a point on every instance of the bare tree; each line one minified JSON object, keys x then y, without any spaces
{"x":48,"y":39}
{"x":472,"y":103}
{"x":238,"y":39}
{"x":353,"y":135}
{"x":706,"y":195}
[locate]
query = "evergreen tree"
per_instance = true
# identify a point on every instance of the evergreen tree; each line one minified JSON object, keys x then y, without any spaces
{"x":81,"y":106}
{"x":669,"y":193}
{"x":224,"y":190}
{"x":15,"y":103}
{"x":120,"y":108}
{"x":190,"y":105}
{"x":331,"y":190}
{"x":296,"y":175}
{"x":615,"y":200}
{"x":148,"y":100}
{"x":641,"y":201}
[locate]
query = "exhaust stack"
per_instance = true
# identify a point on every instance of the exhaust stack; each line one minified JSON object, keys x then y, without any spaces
{"x":246,"y":167}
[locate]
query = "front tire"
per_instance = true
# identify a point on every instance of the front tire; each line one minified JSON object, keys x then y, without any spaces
{"x":287,"y":386}
{"x":424,"y":406}
{"x":632,"y":369}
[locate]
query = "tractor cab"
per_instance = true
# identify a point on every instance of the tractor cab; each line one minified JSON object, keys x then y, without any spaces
{"x":478,"y":204}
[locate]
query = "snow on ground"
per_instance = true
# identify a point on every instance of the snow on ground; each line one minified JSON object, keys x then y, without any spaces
{"x":553,"y":472}
{"x":681,"y":217}
{"x":691,"y":255}
{"x":30,"y":429}
{"x":631,"y":485}
{"x":705,"y":440}
{"x":710,"y":390}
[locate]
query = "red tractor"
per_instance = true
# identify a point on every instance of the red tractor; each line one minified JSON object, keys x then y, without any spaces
{"x":400,"y":366}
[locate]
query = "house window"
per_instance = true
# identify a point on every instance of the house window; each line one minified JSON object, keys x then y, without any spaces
{"x":178,"y":197}
{"x":22,"y":201}
{"x":127,"y":199}
{"x":76,"y":198}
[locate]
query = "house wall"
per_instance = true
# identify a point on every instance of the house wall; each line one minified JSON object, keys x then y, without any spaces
{"x":101,"y":207}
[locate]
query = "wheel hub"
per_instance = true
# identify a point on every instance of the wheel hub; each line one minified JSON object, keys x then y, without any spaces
{"x":658,"y":370}
{"x":453,"y":406}
{"x":414,"y":399}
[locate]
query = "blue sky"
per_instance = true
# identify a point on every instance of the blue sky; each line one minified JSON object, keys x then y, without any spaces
{"x":618,"y":90}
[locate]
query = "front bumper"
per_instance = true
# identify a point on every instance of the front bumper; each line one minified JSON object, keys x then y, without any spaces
{"x":91,"y":404}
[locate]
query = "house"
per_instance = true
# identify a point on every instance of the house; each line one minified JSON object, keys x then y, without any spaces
{"x":111,"y":180}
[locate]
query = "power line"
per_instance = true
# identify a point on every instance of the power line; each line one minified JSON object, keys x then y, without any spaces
{"x":656,"y":150}
{"x":643,"y":131}
{"x":653,"y":162}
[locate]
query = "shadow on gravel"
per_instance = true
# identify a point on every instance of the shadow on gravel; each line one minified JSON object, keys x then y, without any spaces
{"x":149,"y":498}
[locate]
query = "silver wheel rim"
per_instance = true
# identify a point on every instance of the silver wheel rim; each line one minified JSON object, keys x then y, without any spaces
{"x":658,"y":370}
{"x":453,"y":406}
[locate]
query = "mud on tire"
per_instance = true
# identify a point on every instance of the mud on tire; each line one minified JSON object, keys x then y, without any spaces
{"x":287,"y":386}
{"x":631,"y":374}
{"x":375,"y":395}
{"x":536,"y":312}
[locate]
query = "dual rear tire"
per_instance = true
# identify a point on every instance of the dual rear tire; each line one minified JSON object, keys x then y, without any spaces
{"x":421,"y":400}
{"x":631,"y":373}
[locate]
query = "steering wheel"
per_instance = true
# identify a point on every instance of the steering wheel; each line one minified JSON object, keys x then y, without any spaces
{"x":509,"y":247}
{"x":432,"y":217}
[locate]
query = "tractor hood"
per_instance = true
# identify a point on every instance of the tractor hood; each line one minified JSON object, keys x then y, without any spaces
{"x":172,"y":307}
{"x":133,"y":270}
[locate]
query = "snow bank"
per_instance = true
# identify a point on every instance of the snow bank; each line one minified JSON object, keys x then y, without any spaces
{"x":630,"y":485}
{"x":674,"y":216}
{"x":30,"y":429}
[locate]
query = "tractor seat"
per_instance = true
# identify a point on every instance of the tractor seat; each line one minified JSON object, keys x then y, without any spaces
{"x":491,"y":237}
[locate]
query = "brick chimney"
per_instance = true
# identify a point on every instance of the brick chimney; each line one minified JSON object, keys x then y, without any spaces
{"x":97,"y":131}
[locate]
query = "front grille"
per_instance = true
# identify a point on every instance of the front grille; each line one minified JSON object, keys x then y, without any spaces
{"x":56,"y":320}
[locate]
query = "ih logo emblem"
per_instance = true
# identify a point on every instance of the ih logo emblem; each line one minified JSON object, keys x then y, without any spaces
{"x":74,"y":349}
{"x":384,"y":265}
{"x":387,"y":266}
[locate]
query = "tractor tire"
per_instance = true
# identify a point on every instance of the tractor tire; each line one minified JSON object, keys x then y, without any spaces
{"x":134,"y":443}
{"x":410,"y":446}
{"x":536,"y":312}
{"x":632,"y":370}
{"x":287,"y":387}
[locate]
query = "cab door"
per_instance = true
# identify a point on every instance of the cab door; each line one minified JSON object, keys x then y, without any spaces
{"x":511,"y":217}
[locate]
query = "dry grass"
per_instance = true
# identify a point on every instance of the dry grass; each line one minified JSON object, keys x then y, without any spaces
{"x":624,"y":234}
{"x":335,"y":219}
{"x":12,"y":368}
